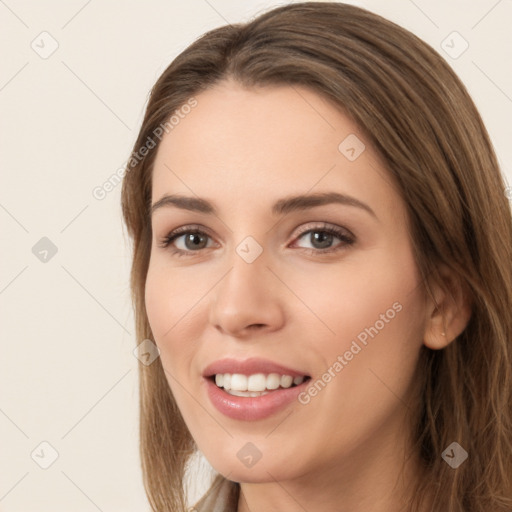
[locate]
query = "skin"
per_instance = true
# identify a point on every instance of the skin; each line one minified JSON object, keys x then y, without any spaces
{"x":242,"y":150}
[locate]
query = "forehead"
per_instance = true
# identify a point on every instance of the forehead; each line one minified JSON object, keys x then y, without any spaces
{"x":242,"y":145}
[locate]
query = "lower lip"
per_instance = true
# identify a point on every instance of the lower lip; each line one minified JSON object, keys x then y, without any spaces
{"x":252,"y":408}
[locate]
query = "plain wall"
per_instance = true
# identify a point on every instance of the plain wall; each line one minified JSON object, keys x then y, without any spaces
{"x":68,"y":376}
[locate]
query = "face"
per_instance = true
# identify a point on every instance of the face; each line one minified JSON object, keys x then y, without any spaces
{"x":282,"y":267}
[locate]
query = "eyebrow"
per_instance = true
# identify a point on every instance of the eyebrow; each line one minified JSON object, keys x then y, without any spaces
{"x":280,"y":207}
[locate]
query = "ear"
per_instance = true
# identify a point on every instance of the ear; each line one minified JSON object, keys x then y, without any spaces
{"x":448,"y":310}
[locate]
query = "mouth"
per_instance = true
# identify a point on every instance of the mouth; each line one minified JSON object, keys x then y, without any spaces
{"x":252,"y":389}
{"x":256,"y":384}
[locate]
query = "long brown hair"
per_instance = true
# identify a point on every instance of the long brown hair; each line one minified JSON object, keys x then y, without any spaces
{"x":420,"y":118}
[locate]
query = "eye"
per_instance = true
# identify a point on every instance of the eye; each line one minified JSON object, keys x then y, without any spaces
{"x":322,"y":239}
{"x":325,"y":239}
{"x":186,"y":239}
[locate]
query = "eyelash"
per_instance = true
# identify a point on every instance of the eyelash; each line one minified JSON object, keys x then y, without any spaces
{"x":342,"y":235}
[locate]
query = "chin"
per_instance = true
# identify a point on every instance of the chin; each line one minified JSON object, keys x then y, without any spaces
{"x":240,"y":468}
{"x":254,"y":475}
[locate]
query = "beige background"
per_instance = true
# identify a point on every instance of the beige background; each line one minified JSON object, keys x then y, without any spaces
{"x":68,"y":376}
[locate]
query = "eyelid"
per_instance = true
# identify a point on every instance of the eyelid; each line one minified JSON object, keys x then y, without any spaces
{"x":321,"y":225}
{"x":186,"y":228}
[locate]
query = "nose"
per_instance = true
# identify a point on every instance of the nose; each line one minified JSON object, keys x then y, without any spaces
{"x":247,"y":300}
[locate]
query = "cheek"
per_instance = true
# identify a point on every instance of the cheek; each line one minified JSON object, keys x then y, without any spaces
{"x":171,"y":300}
{"x":172,"y":295}
{"x":364,"y":368}
{"x":344,"y":301}
{"x":159,"y":301}
{"x":367,"y":325}
{"x":376,"y":312}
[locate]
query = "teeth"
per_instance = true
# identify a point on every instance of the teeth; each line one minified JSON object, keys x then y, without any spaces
{"x":254,"y":385}
{"x":239,"y":382}
{"x":286,"y":381}
{"x":273,"y":381}
{"x":257,"y":382}
{"x":298,"y":380}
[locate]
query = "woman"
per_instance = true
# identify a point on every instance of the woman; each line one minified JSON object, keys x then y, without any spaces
{"x":322,"y":256}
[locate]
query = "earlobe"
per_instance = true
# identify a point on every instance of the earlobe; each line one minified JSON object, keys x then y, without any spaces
{"x":436,"y":336}
{"x":448,"y":312}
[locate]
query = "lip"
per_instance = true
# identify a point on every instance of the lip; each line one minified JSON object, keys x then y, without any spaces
{"x":251,"y":408}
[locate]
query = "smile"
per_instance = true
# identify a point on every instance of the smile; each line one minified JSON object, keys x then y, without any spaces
{"x":252,"y":389}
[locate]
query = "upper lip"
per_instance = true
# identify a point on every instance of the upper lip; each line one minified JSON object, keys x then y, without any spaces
{"x":249,"y":367}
